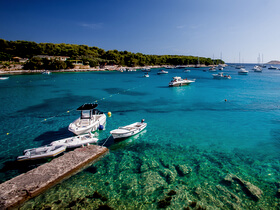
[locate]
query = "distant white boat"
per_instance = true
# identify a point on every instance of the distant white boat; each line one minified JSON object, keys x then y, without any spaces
{"x":257,"y":68}
{"x":146,"y":75}
{"x":239,"y":67}
{"x":187,"y":70}
{"x":220,"y":75}
{"x":41,"y":152}
{"x":212,"y":69}
{"x":273,"y":68}
{"x":75,"y":141}
{"x":220,"y":67}
{"x":90,"y":120}
{"x":243,"y":71}
{"x":162,"y":72}
{"x":178,"y":81}
{"x":128,"y":130}
{"x":4,"y":78}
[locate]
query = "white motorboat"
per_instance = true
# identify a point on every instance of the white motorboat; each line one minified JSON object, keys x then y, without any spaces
{"x":273,"y":68}
{"x":128,"y":130}
{"x":146,"y":75}
{"x":162,"y":72}
{"x":220,"y":75}
{"x":257,"y":68}
{"x":243,"y":71}
{"x":42,"y":152}
{"x":178,"y":81}
{"x":220,"y":67}
{"x":75,"y":141}
{"x":213,"y":68}
{"x":90,"y":120}
{"x":187,"y":70}
{"x":4,"y":78}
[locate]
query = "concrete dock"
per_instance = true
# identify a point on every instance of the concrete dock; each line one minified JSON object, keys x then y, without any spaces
{"x":28,"y":185}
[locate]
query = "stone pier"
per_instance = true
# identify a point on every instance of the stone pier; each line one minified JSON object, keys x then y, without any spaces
{"x":28,"y":185}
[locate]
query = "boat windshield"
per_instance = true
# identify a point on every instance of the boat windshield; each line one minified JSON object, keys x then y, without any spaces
{"x":85,"y":114}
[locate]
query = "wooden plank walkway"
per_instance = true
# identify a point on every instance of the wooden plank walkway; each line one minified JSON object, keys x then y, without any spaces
{"x":30,"y":184}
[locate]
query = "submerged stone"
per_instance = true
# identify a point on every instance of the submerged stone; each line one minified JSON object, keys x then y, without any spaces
{"x":250,"y":189}
{"x":164,"y":203}
{"x":104,"y":207}
{"x":172,"y":192}
{"x":168,"y":175}
{"x":183,"y":169}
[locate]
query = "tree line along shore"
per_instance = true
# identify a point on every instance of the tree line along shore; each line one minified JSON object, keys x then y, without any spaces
{"x":27,"y":55}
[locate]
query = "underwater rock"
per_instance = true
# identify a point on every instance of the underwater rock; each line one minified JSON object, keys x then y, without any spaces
{"x":229,"y":178}
{"x":183,"y":169}
{"x":149,"y":164}
{"x":165,"y":202}
{"x":198,"y":190}
{"x":151,"y":181}
{"x":168,"y":175}
{"x":172,"y":192}
{"x":127,"y":162}
{"x":58,"y":202}
{"x":98,"y":196}
{"x":278,"y":193}
{"x":251,"y":189}
{"x":193,"y":204}
{"x":47,"y":207}
{"x":104,"y":207}
{"x":229,"y":195}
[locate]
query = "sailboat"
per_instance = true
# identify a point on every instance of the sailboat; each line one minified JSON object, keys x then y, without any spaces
{"x":239,"y":66}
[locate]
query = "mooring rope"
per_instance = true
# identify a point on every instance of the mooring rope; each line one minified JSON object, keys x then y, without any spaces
{"x":106,"y":140}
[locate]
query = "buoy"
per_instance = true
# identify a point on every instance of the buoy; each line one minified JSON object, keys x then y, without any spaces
{"x":109,"y":114}
{"x":225,"y":100}
{"x":67,"y":111}
{"x":8,"y":133}
{"x":45,"y":119}
{"x":100,"y":127}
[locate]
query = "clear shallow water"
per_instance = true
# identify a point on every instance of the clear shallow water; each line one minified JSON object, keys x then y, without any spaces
{"x":190,"y":128}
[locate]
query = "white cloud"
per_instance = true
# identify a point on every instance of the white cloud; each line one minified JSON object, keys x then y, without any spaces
{"x":91,"y":25}
{"x":180,"y":27}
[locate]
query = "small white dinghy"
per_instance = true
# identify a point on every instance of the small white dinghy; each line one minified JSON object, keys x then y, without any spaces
{"x":75,"y":141}
{"x":128,"y":130}
{"x":4,"y":78}
{"x":41,"y":152}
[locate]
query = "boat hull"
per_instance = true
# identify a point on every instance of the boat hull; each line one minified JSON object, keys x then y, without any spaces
{"x":121,"y":133}
{"x":41,"y":153}
{"x":76,"y":141}
{"x":179,"y":84}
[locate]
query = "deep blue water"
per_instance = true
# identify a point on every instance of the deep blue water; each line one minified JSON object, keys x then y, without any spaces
{"x":190,"y":125}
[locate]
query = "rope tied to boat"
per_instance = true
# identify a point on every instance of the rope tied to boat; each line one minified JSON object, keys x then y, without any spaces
{"x":106,"y":140}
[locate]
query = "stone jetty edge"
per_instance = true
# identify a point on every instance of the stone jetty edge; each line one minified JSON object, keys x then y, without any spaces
{"x":32,"y":183}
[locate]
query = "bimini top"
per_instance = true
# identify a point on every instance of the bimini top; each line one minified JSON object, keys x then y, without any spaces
{"x":87,"y":107}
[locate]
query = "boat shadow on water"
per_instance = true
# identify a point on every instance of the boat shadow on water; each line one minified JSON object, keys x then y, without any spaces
{"x":50,"y":136}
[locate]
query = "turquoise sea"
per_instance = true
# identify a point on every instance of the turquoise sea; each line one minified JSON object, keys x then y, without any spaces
{"x":194,"y":140}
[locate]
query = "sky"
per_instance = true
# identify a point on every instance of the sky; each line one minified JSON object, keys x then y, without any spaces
{"x":234,"y":30}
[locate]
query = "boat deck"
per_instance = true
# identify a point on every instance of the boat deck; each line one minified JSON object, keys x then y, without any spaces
{"x":28,"y":185}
